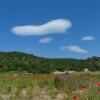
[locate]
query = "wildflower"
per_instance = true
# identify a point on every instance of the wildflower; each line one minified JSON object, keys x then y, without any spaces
{"x":84,"y":88}
{"x":98,"y":84}
{"x":75,"y":98}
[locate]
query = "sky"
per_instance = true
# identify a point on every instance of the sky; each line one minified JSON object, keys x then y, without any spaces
{"x":51,"y":28}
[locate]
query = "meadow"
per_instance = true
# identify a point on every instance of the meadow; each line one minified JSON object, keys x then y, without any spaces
{"x":27,"y":86}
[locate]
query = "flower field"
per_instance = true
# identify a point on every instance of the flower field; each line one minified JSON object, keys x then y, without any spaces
{"x":75,"y":86}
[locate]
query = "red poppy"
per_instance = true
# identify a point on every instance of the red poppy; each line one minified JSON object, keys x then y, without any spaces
{"x":75,"y":98}
{"x":98,"y":84}
{"x":84,"y":88}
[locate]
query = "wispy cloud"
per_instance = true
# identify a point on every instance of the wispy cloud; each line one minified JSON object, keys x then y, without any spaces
{"x":54,"y":26}
{"x":88,"y":38}
{"x":74,"y":48}
{"x":45,"y":40}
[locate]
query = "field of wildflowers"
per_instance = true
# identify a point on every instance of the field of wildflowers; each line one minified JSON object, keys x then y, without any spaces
{"x":76,"y":86}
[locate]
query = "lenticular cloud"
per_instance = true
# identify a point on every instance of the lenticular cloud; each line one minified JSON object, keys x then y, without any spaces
{"x":51,"y":27}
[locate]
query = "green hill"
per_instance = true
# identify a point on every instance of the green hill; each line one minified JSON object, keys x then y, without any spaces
{"x":19,"y":61}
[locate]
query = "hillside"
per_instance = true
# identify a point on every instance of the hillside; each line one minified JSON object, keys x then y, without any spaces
{"x":19,"y":61}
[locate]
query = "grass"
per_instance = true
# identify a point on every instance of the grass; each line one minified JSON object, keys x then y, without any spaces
{"x":76,"y":86}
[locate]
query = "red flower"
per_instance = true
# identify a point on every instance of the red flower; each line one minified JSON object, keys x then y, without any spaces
{"x":75,"y":98}
{"x":84,"y":88}
{"x":98,"y":84}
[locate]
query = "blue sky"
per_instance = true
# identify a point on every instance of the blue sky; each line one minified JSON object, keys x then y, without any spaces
{"x":51,"y":28}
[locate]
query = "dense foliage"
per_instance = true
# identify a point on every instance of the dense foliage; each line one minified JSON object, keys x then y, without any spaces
{"x":18,"y":61}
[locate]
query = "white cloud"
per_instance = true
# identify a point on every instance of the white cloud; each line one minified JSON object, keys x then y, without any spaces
{"x":45,"y":40}
{"x":54,"y":26}
{"x":74,"y":48}
{"x":88,"y":38}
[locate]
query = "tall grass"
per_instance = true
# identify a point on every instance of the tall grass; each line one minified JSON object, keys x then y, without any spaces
{"x":49,"y":87}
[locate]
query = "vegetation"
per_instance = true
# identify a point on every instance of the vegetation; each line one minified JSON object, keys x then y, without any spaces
{"x":28,"y":77}
{"x":18,"y":61}
{"x":77,"y":86}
